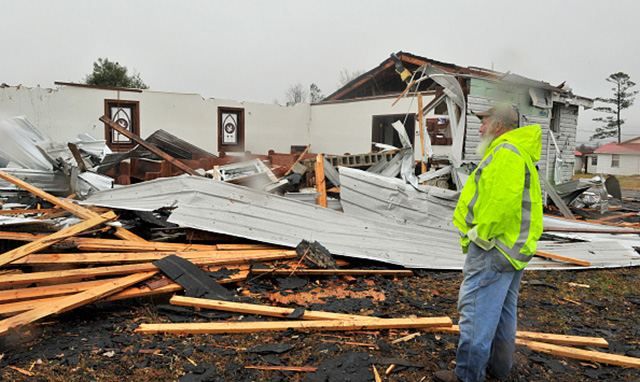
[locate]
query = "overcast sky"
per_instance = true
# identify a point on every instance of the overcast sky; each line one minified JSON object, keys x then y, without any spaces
{"x":253,"y":50}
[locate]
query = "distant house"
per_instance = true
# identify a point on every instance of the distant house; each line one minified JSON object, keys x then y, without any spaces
{"x":586,"y":160}
{"x":619,"y":158}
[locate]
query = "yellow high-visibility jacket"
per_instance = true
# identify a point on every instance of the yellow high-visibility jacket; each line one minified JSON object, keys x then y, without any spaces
{"x":501,"y":203}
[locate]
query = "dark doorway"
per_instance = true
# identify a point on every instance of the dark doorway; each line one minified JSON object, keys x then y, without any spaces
{"x":383,"y":132}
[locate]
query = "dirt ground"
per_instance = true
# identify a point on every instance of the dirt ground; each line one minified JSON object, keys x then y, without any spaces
{"x":627,"y":182}
{"x":97,"y":343}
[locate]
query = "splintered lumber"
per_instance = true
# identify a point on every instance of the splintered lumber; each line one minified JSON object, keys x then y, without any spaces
{"x":581,"y":354}
{"x":145,"y":291}
{"x":89,"y":244}
{"x":28,"y":211}
{"x":75,"y":209}
{"x":53,"y":238}
{"x":84,"y":273}
{"x":9,"y":295}
{"x":93,"y":244}
{"x":263,"y":310}
{"x":560,"y":339}
{"x":72,"y":301}
{"x":302,"y":154}
{"x":334,"y":272}
{"x":566,"y":259}
{"x":131,"y":257}
{"x":301,"y":369}
{"x":321,"y":185}
{"x":131,"y":292}
{"x":149,"y":146}
{"x":273,"y":311}
{"x":319,"y":325}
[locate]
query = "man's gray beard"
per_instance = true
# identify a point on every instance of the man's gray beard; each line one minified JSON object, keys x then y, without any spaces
{"x":484,"y":144}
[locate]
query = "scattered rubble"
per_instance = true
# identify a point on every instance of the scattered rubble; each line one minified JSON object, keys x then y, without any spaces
{"x":229,"y":237}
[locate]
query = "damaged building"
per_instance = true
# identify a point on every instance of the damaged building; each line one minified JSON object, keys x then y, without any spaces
{"x":258,"y":219}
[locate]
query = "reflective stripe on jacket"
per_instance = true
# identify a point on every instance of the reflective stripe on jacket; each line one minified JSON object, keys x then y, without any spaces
{"x":501,"y":202}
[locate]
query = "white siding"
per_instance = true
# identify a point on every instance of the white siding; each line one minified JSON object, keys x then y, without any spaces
{"x":629,"y":165}
{"x":64,"y":113}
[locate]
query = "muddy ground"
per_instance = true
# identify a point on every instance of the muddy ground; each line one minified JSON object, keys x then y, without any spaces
{"x":97,"y":343}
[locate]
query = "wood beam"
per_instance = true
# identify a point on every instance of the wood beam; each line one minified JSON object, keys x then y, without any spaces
{"x":149,"y":146}
{"x":86,"y":273}
{"x":273,"y":311}
{"x":133,"y":257}
{"x":321,"y":185}
{"x":49,"y":240}
{"x":72,"y":301}
{"x":333,"y":272}
{"x":581,"y":354}
{"x":565,"y":259}
{"x":66,"y":205}
{"x":268,"y":326}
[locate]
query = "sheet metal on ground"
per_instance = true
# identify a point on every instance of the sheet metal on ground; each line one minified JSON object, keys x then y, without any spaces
{"x":239,"y":211}
{"x":371,"y":195}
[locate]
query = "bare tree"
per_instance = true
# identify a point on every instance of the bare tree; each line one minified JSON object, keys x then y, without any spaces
{"x":295,"y":94}
{"x":346,"y":76}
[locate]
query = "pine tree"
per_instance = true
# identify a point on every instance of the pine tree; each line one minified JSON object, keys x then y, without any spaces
{"x":623,"y":98}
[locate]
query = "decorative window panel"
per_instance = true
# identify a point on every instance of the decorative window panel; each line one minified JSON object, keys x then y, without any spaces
{"x":126,"y":114}
{"x":230,"y":129}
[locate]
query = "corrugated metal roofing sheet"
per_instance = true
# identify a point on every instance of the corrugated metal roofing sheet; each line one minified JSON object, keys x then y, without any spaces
{"x":239,"y":211}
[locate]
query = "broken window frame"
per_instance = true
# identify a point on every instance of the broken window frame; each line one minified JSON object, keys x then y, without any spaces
{"x":134,"y":127}
{"x":238,"y":145}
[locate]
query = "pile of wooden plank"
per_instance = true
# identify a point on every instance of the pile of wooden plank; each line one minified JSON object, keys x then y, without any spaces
{"x":555,"y":344}
{"x":35,"y":283}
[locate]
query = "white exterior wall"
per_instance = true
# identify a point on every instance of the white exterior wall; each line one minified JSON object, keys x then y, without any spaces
{"x":65,"y":112}
{"x":334,"y":128}
{"x":629,"y":165}
{"x":346,"y":127}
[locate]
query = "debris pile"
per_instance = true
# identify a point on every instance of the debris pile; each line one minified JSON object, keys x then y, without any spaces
{"x":169,"y":218}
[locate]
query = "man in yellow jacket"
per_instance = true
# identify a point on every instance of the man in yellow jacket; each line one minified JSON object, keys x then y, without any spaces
{"x":499,"y":215}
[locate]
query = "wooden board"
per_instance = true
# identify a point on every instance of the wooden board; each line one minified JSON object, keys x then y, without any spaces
{"x":47,"y":241}
{"x":273,"y":311}
{"x":321,"y":185}
{"x":131,"y":292}
{"x":332,"y":272}
{"x":149,"y":146}
{"x":560,"y":339}
{"x":565,"y":259}
{"x":581,"y":354}
{"x":316,"y":325}
{"x":263,"y":310}
{"x":75,"y":209}
{"x":79,"y":274}
{"x":72,"y":301}
{"x":132,"y":257}
{"x":28,"y":211}
{"x":10,"y":295}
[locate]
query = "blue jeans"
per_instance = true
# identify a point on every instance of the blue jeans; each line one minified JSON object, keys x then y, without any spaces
{"x":487,"y":305}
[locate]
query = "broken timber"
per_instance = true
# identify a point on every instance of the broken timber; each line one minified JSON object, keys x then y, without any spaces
{"x":319,"y":325}
{"x":72,"y":301}
{"x":566,"y":259}
{"x":75,"y":209}
{"x":321,"y":185}
{"x":149,"y":146}
{"x":79,"y":274}
{"x":332,"y":272}
{"x":47,"y":241}
{"x":274,"y":311}
{"x":580,"y":354}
